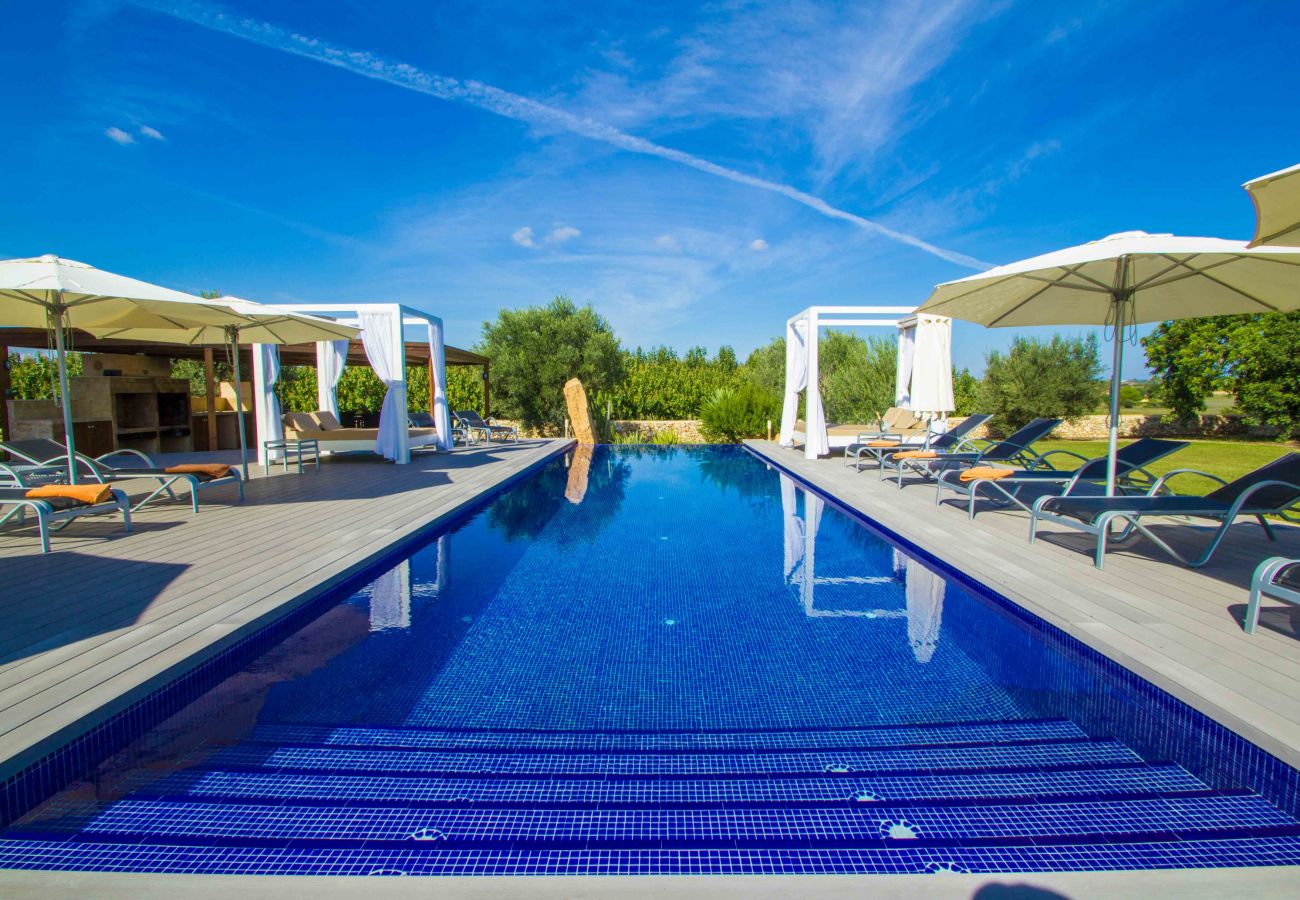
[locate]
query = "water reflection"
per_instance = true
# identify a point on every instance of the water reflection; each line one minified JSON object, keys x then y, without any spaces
{"x":922,"y":589}
{"x":566,"y":505}
{"x":392,"y":592}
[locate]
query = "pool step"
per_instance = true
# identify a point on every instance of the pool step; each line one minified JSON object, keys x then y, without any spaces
{"x":1217,"y":814}
{"x":753,"y":740}
{"x":426,"y":858}
{"x":976,"y":757}
{"x":1126,"y":779}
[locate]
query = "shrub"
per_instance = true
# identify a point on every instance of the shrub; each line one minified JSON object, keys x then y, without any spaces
{"x":1056,"y":378}
{"x":1130,"y":396}
{"x":667,"y":437}
{"x":733,"y":414}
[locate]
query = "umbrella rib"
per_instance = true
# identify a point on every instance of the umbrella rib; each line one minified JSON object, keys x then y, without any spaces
{"x":1204,"y":273}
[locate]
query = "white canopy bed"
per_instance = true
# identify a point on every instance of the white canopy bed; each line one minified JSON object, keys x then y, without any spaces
{"x":923,"y":381}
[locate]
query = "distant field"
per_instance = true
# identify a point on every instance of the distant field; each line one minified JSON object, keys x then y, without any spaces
{"x":1227,"y":459}
{"x":1217,"y":405}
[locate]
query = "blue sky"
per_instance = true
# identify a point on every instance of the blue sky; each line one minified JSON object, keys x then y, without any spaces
{"x":698,"y":172}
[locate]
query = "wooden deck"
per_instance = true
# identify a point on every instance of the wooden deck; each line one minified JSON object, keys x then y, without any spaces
{"x":108,"y":616}
{"x":1177,"y":627}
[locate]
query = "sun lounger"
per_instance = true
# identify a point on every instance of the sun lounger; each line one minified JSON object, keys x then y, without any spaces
{"x":1271,"y":579}
{"x":1015,"y":450}
{"x":54,"y":513}
{"x":331,"y":437}
{"x":471,"y":421}
{"x":1269,"y":490}
{"x":45,"y":460}
{"x":1130,"y":467}
{"x":880,"y":447}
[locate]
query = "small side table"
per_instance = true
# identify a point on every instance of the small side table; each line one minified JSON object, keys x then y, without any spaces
{"x":298,"y":450}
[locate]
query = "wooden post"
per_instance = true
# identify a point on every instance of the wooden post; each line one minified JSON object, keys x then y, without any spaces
{"x":210,"y":388}
{"x":487,"y":390}
{"x":4,"y":392}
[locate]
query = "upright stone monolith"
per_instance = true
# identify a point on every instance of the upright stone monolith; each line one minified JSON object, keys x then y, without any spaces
{"x":575,"y":398}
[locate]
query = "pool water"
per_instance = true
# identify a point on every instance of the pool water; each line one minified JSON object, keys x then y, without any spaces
{"x":669,"y":660}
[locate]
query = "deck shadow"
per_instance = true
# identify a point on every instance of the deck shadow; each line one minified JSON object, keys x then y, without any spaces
{"x":30,"y":630}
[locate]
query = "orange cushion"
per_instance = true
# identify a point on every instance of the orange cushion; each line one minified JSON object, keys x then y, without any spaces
{"x":916,"y":454}
{"x":90,"y":494}
{"x":882,"y":443}
{"x":985,"y":473}
{"x":213,"y":470}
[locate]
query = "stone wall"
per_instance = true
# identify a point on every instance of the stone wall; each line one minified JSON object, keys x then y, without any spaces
{"x":1095,"y":428}
{"x":687,"y":430}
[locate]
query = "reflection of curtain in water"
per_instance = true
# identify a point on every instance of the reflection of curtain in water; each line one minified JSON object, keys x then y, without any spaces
{"x":800,"y":538}
{"x":792,"y":527}
{"x":579,"y":469}
{"x":924,"y":610}
{"x":390,"y":599}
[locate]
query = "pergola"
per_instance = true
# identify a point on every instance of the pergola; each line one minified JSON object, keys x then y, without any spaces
{"x":924,"y":366}
{"x":417,"y":354}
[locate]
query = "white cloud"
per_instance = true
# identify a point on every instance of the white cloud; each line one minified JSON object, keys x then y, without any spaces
{"x":551,"y":118}
{"x":151,"y":132}
{"x":562,"y":233}
{"x":524,"y":237}
{"x":118,"y":136}
{"x":758,"y":244}
{"x":667,"y":242}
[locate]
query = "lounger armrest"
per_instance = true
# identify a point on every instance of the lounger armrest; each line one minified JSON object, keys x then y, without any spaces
{"x":1165,"y":478}
{"x":1063,"y":452}
{"x":1240,"y":502}
{"x":127,"y":451}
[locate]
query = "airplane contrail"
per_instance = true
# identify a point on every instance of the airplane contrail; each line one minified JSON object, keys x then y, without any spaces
{"x":511,"y":106}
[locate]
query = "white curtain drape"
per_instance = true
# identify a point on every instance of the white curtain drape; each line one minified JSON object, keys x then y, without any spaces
{"x":801,"y":375}
{"x":817,"y":443}
{"x":266,"y":405}
{"x":931,"y":388}
{"x":381,"y":335}
{"x":331,"y":357}
{"x":438,"y":402}
{"x":796,"y":376}
{"x":906,"y":354}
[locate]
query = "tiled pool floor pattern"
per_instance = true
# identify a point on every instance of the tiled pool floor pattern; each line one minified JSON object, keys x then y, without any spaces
{"x":668,"y":706}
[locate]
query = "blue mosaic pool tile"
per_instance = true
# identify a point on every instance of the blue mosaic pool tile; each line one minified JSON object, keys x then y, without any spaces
{"x":575,"y":742}
{"x":1126,"y":779}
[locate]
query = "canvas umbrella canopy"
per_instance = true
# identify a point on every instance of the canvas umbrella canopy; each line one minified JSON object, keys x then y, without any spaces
{"x":1121,"y":281}
{"x":1277,"y":208}
{"x":260,"y":325}
{"x":60,"y":294}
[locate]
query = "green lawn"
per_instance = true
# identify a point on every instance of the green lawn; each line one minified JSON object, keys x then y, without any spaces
{"x":1215,"y":405}
{"x":1227,"y":459}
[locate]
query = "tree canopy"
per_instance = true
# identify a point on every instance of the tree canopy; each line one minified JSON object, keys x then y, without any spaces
{"x":534,"y":351}
{"x":1256,"y":357}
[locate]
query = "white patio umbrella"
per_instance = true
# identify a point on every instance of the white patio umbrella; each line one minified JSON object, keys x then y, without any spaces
{"x":258,"y":325}
{"x":59,"y":294}
{"x":1122,"y":280}
{"x":1277,"y":208}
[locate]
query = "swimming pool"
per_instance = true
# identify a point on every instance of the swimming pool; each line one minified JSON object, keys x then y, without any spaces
{"x":666,"y":660}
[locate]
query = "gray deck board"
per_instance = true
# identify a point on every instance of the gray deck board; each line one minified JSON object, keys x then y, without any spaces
{"x":108,"y":616}
{"x":1177,"y":627}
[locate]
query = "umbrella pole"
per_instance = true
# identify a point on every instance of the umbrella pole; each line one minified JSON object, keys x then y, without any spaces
{"x":1117,"y":362}
{"x":66,"y":400}
{"x":239,"y":402}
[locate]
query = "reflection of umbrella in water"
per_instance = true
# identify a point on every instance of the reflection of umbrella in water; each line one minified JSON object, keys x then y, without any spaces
{"x":925,"y":591}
